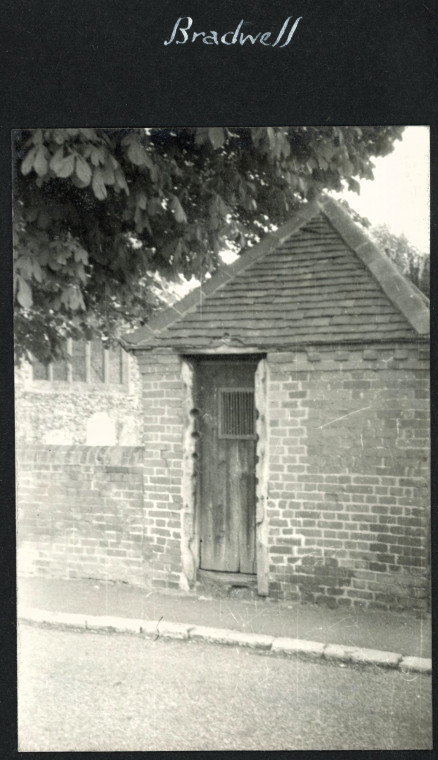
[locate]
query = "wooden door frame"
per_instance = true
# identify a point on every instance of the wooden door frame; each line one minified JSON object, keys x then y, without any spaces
{"x":191,"y":508}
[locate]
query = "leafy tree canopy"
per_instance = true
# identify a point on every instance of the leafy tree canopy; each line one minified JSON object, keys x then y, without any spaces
{"x":98,"y":212}
{"x":409,"y":260}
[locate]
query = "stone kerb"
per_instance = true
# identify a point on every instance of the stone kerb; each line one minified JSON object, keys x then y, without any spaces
{"x":262,"y":643}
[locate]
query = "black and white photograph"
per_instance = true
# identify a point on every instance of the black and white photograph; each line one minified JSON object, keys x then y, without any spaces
{"x":222,"y":443}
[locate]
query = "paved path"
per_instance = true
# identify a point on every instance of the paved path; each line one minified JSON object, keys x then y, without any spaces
{"x":375,"y":629}
{"x":88,"y":691}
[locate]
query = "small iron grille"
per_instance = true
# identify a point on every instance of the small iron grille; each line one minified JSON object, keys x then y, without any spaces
{"x":236,"y":413}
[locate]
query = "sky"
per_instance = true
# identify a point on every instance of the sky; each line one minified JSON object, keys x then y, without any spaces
{"x":399,"y":195}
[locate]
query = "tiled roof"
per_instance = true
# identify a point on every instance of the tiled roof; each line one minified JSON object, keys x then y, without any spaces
{"x":316,"y":280}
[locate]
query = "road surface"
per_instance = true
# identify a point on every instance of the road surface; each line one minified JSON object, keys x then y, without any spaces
{"x":101,"y":692}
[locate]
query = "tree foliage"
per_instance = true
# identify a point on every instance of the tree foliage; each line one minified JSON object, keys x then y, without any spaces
{"x":410,"y":261}
{"x":98,"y":211}
{"x":407,"y":258}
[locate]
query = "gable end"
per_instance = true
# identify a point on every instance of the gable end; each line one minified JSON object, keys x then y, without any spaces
{"x":402,"y":293}
{"x":205,"y":317}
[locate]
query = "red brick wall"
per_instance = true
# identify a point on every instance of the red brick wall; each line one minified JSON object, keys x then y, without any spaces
{"x":110,"y":512}
{"x":348,"y":497}
{"x":163,"y":400}
{"x":348,"y":501}
{"x":80,"y":512}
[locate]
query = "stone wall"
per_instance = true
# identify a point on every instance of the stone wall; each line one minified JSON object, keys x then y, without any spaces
{"x":61,"y":413}
{"x":348,"y":507}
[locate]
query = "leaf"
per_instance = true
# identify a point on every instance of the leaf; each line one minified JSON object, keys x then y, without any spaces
{"x":57,"y":160}
{"x":353,"y":185}
{"x":271,"y":136}
{"x":178,"y":210}
{"x":108,"y":174}
{"x":154,"y":172}
{"x":37,"y":137}
{"x":81,"y":255}
{"x":347,"y":167}
{"x":216,"y":135}
{"x":83,"y":171}
{"x":138,"y":219}
{"x":63,"y":168}
{"x":302,"y":184}
{"x":222,"y":207}
{"x":87,"y":133}
{"x":327,"y":150}
{"x":75,"y":300}
{"x":137,"y":153}
{"x":97,"y":156}
{"x":27,"y":163}
{"x":98,"y":185}
{"x":142,"y":201}
{"x":78,"y":182}
{"x":121,"y":181}
{"x":146,"y":224}
{"x":59,"y":136}
{"x":37,"y":271}
{"x":24,"y":294}
{"x":201,"y":136}
{"x":40,"y":163}
{"x":258,"y":135}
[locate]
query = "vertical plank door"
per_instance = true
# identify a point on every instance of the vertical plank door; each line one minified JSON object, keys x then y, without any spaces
{"x":225,"y":399}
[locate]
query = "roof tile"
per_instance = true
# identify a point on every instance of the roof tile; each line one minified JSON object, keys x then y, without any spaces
{"x":316,"y":280}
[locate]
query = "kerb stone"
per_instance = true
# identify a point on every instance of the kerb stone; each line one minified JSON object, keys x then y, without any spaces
{"x":213,"y":635}
{"x":376,"y":657}
{"x":51,"y":617}
{"x":224,"y":636}
{"x":298,"y":647}
{"x":172,"y":630}
{"x":416,"y":664}
{"x":339,"y":652}
{"x":253,"y":640}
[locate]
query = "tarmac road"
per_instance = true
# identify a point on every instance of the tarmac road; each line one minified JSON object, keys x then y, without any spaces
{"x":101,"y":692}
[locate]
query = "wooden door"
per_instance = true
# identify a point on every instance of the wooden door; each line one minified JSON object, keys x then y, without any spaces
{"x":226,"y":491}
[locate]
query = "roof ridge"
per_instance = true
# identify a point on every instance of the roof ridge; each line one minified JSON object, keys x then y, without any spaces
{"x":408,"y":301}
{"x":225,"y":273}
{"x":405,"y":296}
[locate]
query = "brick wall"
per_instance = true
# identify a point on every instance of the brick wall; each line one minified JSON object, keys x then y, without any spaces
{"x":80,"y":512}
{"x":114,"y":512}
{"x":348,"y":505}
{"x":347,"y":509}
{"x":163,"y":419}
